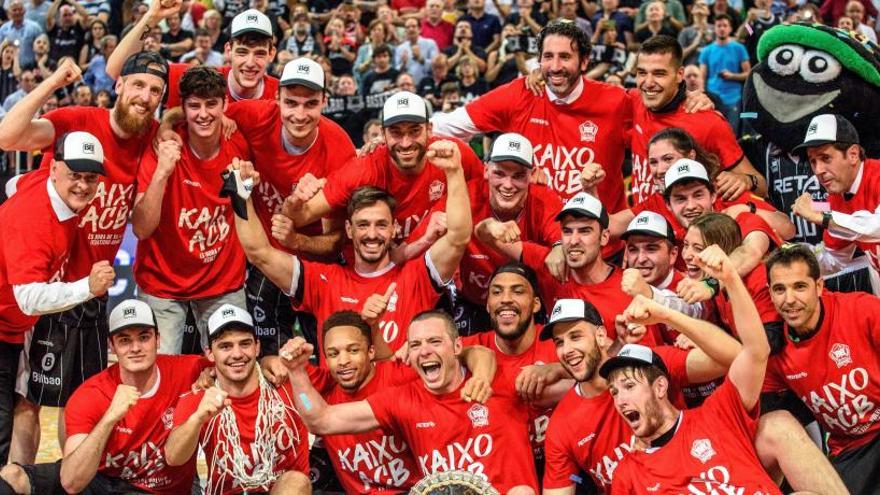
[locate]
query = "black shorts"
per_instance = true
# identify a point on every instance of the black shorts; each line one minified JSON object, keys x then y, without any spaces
{"x":45,"y":479}
{"x":860,"y":468}
{"x":274,"y":318}
{"x":64,"y":350}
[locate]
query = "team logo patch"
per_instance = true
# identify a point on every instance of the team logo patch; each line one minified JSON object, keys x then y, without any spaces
{"x":435,"y":190}
{"x":227,"y":313}
{"x":168,"y":418}
{"x":642,"y":220}
{"x":129,"y":313}
{"x":89,"y":148}
{"x":840,"y":354}
{"x":812,"y":129}
{"x":588,"y":131}
{"x":259,"y":314}
{"x":48,"y":361}
{"x":702,"y":450}
{"x":251,"y":19}
{"x":302,"y":69}
{"x":402,"y":102}
{"x":479,"y":415}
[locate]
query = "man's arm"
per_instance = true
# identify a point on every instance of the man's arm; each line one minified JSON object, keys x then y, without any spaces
{"x":861,"y":225}
{"x":19,"y":130}
{"x":457,"y":124}
{"x":83,"y":452}
{"x":148,"y":205}
{"x":748,"y":255}
{"x":326,"y":244}
{"x":40,"y":298}
{"x":133,"y":42}
{"x":747,"y":369}
{"x":738,"y":179}
{"x":503,"y":237}
{"x":319,"y":417}
{"x":50,"y":14}
{"x":184,"y":439}
{"x":446,"y":253}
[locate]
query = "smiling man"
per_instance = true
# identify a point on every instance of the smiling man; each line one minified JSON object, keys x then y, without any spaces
{"x":187,"y":255}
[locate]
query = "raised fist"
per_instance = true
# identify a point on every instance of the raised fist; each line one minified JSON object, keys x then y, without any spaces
{"x":101,"y":278}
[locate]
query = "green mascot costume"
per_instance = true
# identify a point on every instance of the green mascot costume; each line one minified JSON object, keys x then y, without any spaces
{"x":806,"y":70}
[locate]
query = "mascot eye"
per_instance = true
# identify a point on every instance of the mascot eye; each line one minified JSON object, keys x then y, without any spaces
{"x":819,"y":67}
{"x":785,"y":60}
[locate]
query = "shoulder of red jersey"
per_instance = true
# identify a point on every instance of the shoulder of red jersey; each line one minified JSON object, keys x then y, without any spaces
{"x":599,"y":90}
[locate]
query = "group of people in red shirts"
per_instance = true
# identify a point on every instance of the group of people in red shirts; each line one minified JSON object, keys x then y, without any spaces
{"x":374,"y":318}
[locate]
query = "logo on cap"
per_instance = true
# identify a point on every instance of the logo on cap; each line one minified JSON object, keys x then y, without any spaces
{"x":479,"y":415}
{"x":578,"y":200}
{"x":588,"y":131}
{"x":513,"y":145}
{"x":402,"y":102}
{"x":89,"y":148}
{"x":684,"y":168}
{"x":557,"y":310}
{"x":302,"y":69}
{"x":129,"y":313}
{"x":250,"y":18}
{"x":626,"y":352}
{"x":813,"y":128}
{"x":642,"y":220}
{"x":227,"y":312}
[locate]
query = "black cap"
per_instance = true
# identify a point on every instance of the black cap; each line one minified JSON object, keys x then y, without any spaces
{"x":81,"y":152}
{"x":520,"y":269}
{"x":828,"y":128}
{"x":146,"y":63}
{"x":633,"y":355}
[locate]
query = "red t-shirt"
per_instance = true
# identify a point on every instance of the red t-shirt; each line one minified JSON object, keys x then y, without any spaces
{"x":712,"y":451}
{"x":607,"y":296}
{"x":292,"y":449}
{"x":756,"y":284}
{"x":34,"y":247}
{"x":324,"y":289}
{"x":175,"y":72}
{"x":194,"y":252}
{"x":376,"y":461}
{"x":867,"y":198}
{"x":536,"y":222}
{"x":260,"y":123}
{"x":415,"y":194}
{"x":135,"y":450}
{"x":540,"y":352}
{"x":587,"y":433}
{"x":441,"y":33}
{"x":708,"y":128}
{"x":102,"y":223}
{"x":835,"y":372}
{"x":446,"y":433}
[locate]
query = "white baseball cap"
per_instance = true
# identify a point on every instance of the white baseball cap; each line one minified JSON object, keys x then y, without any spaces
{"x":685,"y":169}
{"x":828,"y":128}
{"x":512,"y":147}
{"x":651,"y":224}
{"x":251,"y":21}
{"x":633,"y":355}
{"x":228,"y":316}
{"x":571,"y":310}
{"x":404,"y":106}
{"x":81,"y":152}
{"x":304,"y":72}
{"x":131,"y":313}
{"x":585,"y":205}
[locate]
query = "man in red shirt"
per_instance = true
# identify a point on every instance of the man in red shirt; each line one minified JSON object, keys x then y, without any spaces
{"x":828,"y":359}
{"x":188,"y":258}
{"x":38,"y":229}
{"x":250,"y":50}
{"x":118,"y":420}
{"x":251,"y":435}
{"x":853,"y":185}
{"x":401,"y":166}
{"x":660,"y":104}
{"x":444,"y":431}
{"x":323,"y":289}
{"x":435,"y":27}
{"x":124,"y":133}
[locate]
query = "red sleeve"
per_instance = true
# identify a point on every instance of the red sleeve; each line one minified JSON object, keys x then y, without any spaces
{"x":252,"y":115}
{"x":559,"y":463}
{"x":773,"y":380}
{"x":320,"y":378}
{"x":384,"y":403}
{"x":549,"y":230}
{"x":402,"y":373}
{"x":64,"y":119}
{"x":175,"y":72}
{"x":84,"y":409}
{"x":149,"y":162}
{"x":357,"y":172}
{"x":835,"y":243}
{"x":724,"y":144}
{"x":309,"y":279}
{"x":186,"y":407}
{"x":675,"y":360}
{"x":725,"y":407}
{"x":749,"y":222}
{"x":490,"y":111}
{"x":533,"y":256}
{"x":422,"y":226}
{"x":29,"y":257}
{"x":622,"y":484}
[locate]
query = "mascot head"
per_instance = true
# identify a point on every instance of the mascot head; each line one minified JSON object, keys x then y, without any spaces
{"x":809,"y":69}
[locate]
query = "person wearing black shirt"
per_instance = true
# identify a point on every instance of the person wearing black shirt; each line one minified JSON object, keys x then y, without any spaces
{"x":68,"y":35}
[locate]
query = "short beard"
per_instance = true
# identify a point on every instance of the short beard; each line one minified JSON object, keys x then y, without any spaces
{"x":419,"y":159}
{"x":129,"y":123}
{"x":592,"y":366}
{"x":518,"y":332}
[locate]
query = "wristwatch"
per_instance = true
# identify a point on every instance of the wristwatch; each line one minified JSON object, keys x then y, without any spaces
{"x":826,"y":219}
{"x":712,"y":284}
{"x":754,"y":181}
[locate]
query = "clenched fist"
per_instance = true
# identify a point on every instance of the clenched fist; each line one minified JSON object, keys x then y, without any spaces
{"x":124,"y":399}
{"x":445,"y":155}
{"x":213,"y":401}
{"x":101,"y":278}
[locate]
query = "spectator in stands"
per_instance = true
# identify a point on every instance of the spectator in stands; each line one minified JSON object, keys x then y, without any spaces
{"x":463,"y":44}
{"x":364,"y":61}
{"x":20,"y":31}
{"x":485,"y":28}
{"x":35,"y":10}
{"x":202,"y":53}
{"x":612,"y":18}
{"x":176,"y":41}
{"x":759,"y":19}
{"x":68,"y":34}
{"x":82,"y":96}
{"x":429,"y":87}
{"x":657,"y":22}
{"x":212,"y":22}
{"x":435,"y":27}
{"x":471,"y":83}
{"x":382,"y":76}
{"x":92,"y":42}
{"x":846,"y":23}
{"x":568,"y":10}
{"x":44,"y":65}
{"x":351,"y":16}
{"x":856,"y":11}
{"x":450,"y":97}
{"x":693,"y":78}
{"x":340,"y":51}
{"x":385,"y":14}
{"x":415,"y":53}
{"x":699,"y":33}
{"x":405,"y":82}
{"x":94,"y":9}
{"x":608,"y":56}
{"x":104,"y":99}
{"x":503,"y":65}
{"x":26,"y":83}
{"x":301,"y":41}
{"x":373,"y":131}
{"x":9,"y":69}
{"x":531,"y":17}
{"x":832,"y":10}
{"x":674,"y":9}
{"x":722,"y":7}
{"x":725,"y":65}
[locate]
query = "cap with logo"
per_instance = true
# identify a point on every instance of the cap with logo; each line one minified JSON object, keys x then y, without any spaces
{"x":146,"y":63}
{"x":571,"y":310}
{"x":81,"y":152}
{"x":585,"y":205}
{"x":404,"y":106}
{"x":651,"y":224}
{"x":512,"y":147}
{"x":633,"y":355}
{"x":304,"y":72}
{"x":518,"y":268}
{"x":828,"y":128}
{"x":131,"y":313}
{"x":251,"y":21}
{"x":226,"y":317}
{"x":685,"y":169}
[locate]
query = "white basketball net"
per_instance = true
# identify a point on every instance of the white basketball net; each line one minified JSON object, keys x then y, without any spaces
{"x":274,"y":438}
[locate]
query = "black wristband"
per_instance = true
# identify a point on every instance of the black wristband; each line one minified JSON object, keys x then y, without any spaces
{"x":712,"y":283}
{"x":826,"y":219}
{"x":754,"y":185}
{"x":752,"y":207}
